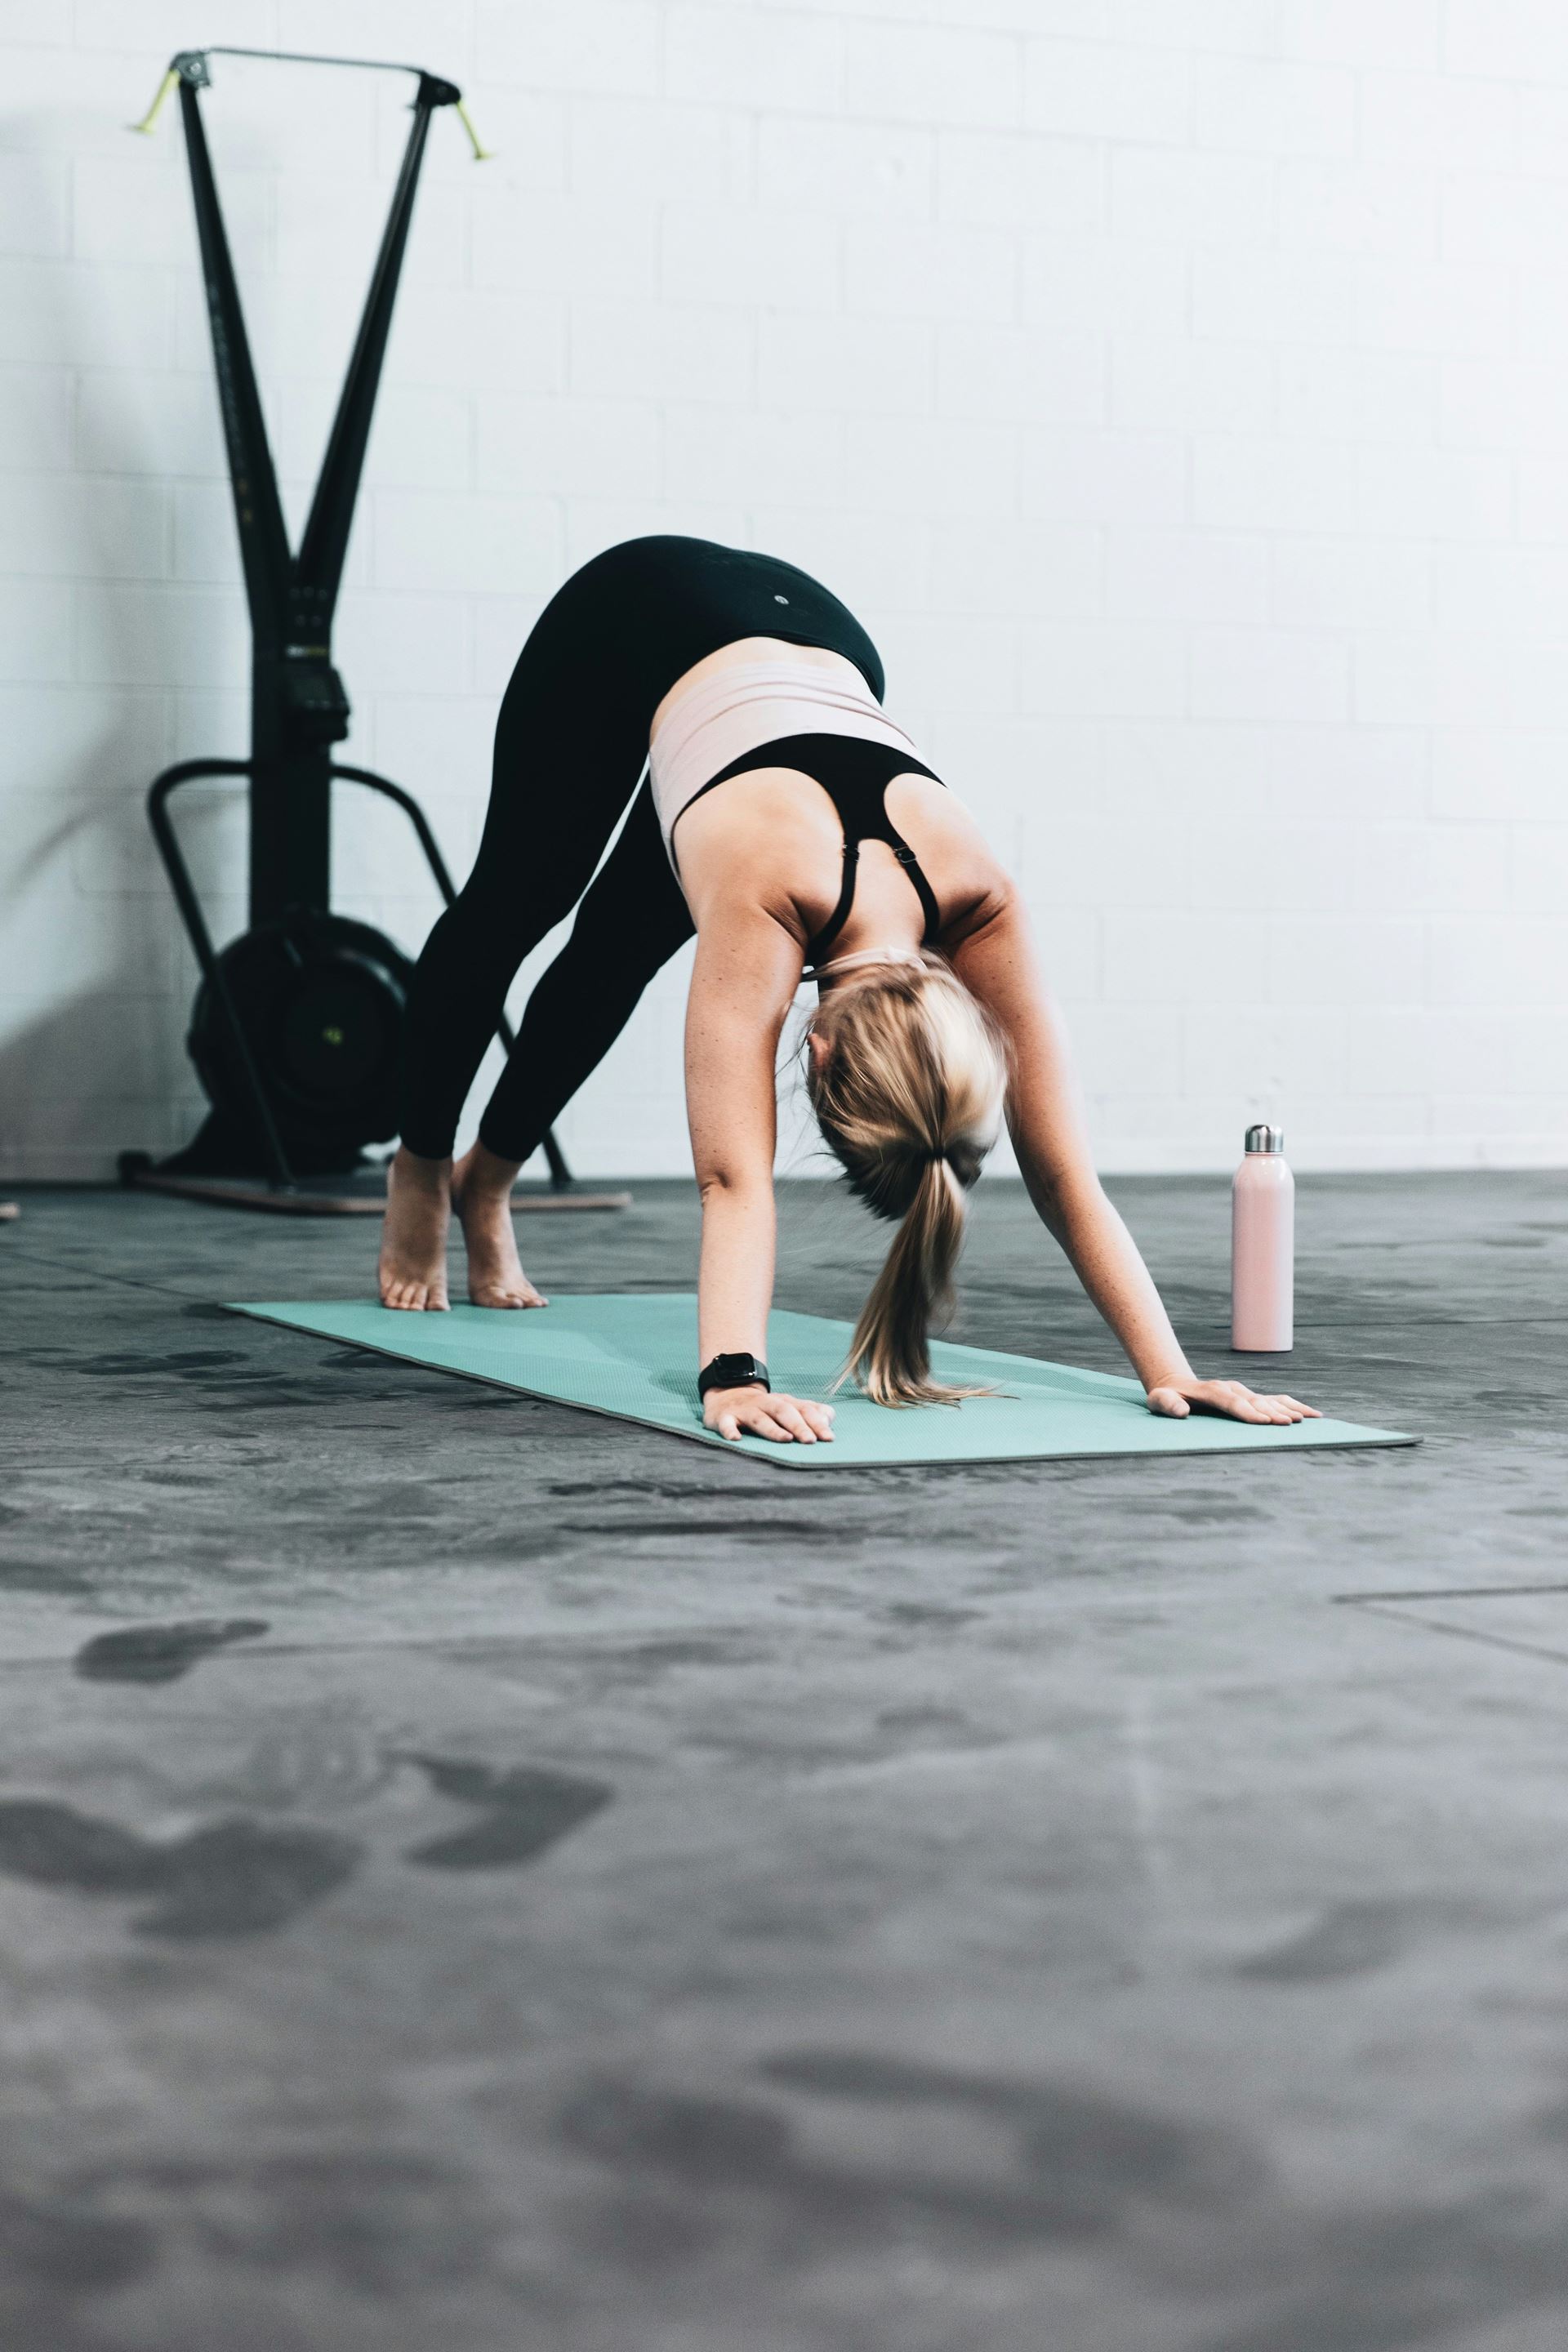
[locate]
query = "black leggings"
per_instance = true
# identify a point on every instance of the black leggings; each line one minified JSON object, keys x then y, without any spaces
{"x":571,"y":742}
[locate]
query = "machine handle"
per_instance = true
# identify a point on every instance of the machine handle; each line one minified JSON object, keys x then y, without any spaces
{"x":191,"y":65}
{"x":279,"y":1175}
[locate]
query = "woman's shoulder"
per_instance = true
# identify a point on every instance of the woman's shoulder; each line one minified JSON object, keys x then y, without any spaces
{"x":749,"y":844}
{"x":940,"y":824}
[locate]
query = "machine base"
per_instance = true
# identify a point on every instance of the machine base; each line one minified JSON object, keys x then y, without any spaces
{"x":352,"y":1192}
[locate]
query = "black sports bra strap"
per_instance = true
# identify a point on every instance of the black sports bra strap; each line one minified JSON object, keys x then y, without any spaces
{"x":855,"y":775}
{"x":817,"y":948}
{"x":916,"y":872}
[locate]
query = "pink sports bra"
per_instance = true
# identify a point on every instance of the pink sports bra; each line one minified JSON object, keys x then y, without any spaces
{"x":737,"y":710}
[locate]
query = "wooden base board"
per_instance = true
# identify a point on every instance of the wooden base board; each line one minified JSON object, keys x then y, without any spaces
{"x":237,"y":1192}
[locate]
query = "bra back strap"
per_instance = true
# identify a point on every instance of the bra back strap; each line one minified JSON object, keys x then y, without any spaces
{"x":916,"y":872}
{"x":817,"y":948}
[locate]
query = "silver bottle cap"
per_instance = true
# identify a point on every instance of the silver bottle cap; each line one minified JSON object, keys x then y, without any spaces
{"x":1266,"y":1139}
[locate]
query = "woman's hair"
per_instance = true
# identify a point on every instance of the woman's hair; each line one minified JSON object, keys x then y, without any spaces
{"x":908,"y":1087}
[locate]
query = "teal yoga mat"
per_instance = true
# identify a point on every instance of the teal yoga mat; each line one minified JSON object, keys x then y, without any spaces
{"x":634,"y":1356}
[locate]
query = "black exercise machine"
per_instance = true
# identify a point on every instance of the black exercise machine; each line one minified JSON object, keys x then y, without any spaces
{"x":294,"y":1032}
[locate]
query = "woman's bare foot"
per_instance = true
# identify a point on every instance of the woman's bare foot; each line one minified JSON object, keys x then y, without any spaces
{"x":413,"y":1270}
{"x":481,"y":1194}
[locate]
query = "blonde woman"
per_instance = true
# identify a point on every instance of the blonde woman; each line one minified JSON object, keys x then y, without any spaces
{"x":787,"y":820}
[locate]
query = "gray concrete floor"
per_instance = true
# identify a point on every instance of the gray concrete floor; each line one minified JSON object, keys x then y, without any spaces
{"x":476,"y":1875}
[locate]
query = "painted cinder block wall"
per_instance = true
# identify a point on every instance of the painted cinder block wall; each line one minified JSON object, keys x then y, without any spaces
{"x":1178,"y":387}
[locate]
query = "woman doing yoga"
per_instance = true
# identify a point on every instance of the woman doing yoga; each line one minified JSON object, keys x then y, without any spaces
{"x":839,"y":857}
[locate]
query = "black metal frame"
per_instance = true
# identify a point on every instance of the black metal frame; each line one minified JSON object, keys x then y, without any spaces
{"x":278,"y":1173}
{"x":298,"y":706}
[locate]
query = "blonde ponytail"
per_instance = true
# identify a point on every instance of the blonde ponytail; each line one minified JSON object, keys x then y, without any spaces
{"x":906,"y":1082}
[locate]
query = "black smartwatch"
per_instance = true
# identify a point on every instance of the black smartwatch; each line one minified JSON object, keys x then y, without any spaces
{"x":732,"y":1373}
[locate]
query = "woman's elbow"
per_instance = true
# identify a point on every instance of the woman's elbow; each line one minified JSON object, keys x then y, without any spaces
{"x":730,"y":1181}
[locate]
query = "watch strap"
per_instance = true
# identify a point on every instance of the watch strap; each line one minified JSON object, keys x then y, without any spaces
{"x":732,"y":1373}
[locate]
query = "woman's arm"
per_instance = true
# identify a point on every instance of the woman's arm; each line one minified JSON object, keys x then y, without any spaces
{"x":1045,"y":1117}
{"x":745,"y":975}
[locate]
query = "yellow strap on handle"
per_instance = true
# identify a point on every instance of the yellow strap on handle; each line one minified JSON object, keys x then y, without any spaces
{"x":481,"y":154}
{"x":150,"y":117}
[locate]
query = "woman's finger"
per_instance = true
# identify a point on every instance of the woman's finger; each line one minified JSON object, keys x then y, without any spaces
{"x":763,"y":1424}
{"x":728,"y":1426}
{"x":820,"y":1417}
{"x":1235,"y":1399}
{"x":795,"y":1417}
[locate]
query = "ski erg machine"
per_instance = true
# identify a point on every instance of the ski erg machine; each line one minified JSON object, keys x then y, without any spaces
{"x":295,"y":1028}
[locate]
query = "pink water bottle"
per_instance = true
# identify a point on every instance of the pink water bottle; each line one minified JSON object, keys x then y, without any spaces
{"x":1263,"y":1246}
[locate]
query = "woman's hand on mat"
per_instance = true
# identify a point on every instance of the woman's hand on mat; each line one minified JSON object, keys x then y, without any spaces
{"x":1231,"y":1400}
{"x":757,"y":1412}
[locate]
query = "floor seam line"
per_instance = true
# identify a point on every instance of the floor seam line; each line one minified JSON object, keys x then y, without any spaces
{"x":96,"y":1273}
{"x":1474,"y":1633}
{"x":1450,"y":1592}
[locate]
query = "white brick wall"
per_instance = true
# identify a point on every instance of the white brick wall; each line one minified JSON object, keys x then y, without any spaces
{"x":1176,"y":386}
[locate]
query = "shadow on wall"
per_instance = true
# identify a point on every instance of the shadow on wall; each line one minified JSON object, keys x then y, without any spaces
{"x":94,"y":997}
{"x":115,"y":503}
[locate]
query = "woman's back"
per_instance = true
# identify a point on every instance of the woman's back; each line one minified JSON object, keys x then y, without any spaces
{"x":774,"y":836}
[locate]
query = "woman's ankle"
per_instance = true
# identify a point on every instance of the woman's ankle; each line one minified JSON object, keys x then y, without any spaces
{"x":484,"y":1172}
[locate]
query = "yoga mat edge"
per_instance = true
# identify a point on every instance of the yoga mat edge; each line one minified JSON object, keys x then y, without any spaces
{"x":583,"y":1332}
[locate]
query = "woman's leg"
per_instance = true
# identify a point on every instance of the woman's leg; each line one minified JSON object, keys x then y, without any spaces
{"x":571,"y":740}
{"x":630,"y":923}
{"x":569,"y":750}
